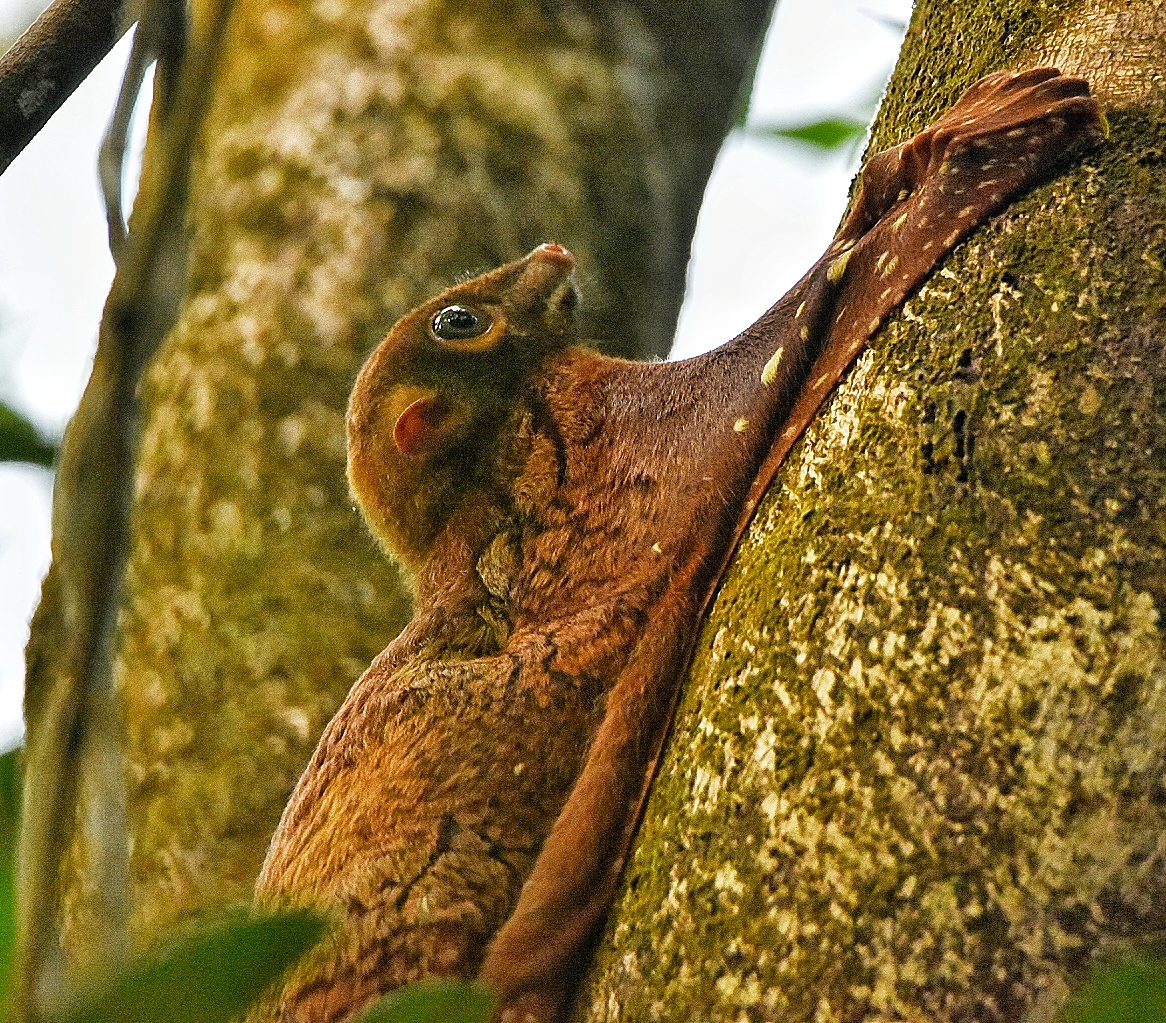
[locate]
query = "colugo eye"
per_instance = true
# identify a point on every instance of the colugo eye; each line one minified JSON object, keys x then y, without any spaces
{"x":458,"y":323}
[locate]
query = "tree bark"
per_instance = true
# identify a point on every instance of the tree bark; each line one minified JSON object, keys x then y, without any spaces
{"x":917,"y":770}
{"x":355,"y":157}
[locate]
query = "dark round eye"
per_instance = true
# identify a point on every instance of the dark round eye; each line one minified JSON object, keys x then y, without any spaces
{"x":457,"y":323}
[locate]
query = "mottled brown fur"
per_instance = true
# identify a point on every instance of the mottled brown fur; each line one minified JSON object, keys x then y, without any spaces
{"x":564,"y":517}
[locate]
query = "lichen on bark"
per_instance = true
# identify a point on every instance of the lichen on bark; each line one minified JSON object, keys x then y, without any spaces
{"x":917,"y":769}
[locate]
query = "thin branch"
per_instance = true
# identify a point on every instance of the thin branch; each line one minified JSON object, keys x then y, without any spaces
{"x":83,"y":730}
{"x":48,"y":62}
{"x":161,"y":37}
{"x":111,"y":157}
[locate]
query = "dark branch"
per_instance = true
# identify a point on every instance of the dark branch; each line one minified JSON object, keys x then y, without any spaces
{"x":47,"y":63}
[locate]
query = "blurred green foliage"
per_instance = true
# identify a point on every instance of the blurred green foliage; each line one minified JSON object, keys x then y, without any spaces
{"x":826,"y":134}
{"x":434,"y":1001}
{"x":208,"y":976}
{"x":1126,"y":989}
{"x":212,"y":974}
{"x":20,"y":441}
{"x":831,"y":133}
{"x":9,"y":819}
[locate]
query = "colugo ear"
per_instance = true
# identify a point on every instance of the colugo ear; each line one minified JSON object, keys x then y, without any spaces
{"x":426,"y":425}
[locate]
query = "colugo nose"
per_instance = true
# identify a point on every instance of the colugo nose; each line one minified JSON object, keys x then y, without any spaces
{"x":549,"y":261}
{"x":546,"y":277}
{"x":555,"y":252}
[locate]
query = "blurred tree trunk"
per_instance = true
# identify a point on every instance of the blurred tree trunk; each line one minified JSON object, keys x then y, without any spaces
{"x":919,"y":771}
{"x":355,"y":157}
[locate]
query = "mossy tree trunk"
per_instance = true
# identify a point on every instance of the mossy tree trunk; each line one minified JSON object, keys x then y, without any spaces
{"x":919,"y":769}
{"x":355,"y":157}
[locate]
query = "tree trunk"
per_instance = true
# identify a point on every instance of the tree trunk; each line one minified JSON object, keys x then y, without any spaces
{"x":355,"y":157}
{"x":917,"y":771}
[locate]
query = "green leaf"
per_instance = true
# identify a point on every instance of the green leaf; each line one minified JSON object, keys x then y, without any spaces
{"x":20,"y":442}
{"x":831,"y":133}
{"x":1131,"y":989}
{"x":208,"y":976}
{"x":9,"y":829}
{"x":434,"y":1001}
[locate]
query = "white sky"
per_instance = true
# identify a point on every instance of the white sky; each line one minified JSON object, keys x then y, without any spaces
{"x":769,"y":211}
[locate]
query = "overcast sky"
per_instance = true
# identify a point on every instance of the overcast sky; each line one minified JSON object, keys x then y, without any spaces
{"x":769,"y":211}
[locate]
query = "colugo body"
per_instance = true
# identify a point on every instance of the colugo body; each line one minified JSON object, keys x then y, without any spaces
{"x":563,"y":517}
